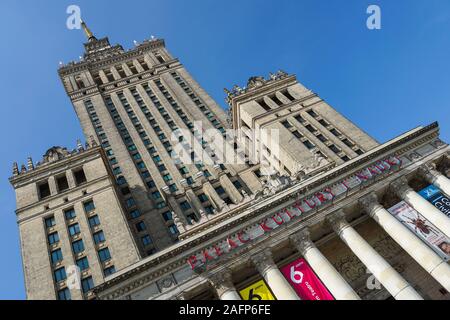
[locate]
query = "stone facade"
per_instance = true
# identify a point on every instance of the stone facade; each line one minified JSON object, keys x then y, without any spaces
{"x":309,"y":183}
{"x":62,"y":211}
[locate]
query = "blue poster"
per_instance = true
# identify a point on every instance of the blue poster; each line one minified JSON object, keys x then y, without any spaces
{"x":437,"y":198}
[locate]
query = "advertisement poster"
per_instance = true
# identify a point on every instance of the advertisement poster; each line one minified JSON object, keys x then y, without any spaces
{"x":305,"y":282}
{"x":437,"y":198}
{"x":257,"y":291}
{"x":426,"y":231}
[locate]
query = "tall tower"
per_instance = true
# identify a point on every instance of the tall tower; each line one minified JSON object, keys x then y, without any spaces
{"x":73,"y":233}
{"x":311,"y":135}
{"x":136,"y":102}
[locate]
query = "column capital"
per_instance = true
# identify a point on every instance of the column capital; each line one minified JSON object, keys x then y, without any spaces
{"x":369,"y":202}
{"x":400,"y":186}
{"x":302,"y":241}
{"x":337,"y":221}
{"x":428,"y":172}
{"x":263,"y":261}
{"x":222,"y":281}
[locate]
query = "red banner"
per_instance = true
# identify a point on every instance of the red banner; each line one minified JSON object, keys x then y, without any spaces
{"x":305,"y":282}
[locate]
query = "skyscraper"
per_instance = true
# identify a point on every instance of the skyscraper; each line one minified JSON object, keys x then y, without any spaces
{"x":199,"y":193}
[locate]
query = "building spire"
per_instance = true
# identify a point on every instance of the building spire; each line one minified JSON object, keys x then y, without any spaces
{"x":87,"y":31}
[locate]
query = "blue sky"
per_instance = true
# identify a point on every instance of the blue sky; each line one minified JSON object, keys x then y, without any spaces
{"x":387,"y":81}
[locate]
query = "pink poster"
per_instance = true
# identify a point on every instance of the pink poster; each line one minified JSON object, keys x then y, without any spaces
{"x":305,"y":282}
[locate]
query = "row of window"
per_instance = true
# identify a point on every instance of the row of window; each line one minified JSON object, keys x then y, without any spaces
{"x":78,"y":247}
{"x":61,"y":183}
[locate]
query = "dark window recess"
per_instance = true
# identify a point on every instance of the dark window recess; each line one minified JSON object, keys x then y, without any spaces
{"x":288,"y":95}
{"x":309,"y":145}
{"x":310,"y":128}
{"x":321,"y":138}
{"x":299,"y":118}
{"x":276,"y":100}
{"x":44,"y":190}
{"x":348,"y":143}
{"x":334,"y":148}
{"x":345,"y":158}
{"x":80,"y":177}
{"x":359,"y":151}
{"x":312,"y":113}
{"x":297,"y":134}
{"x":324,"y":123}
{"x":286,"y":124}
{"x":62,"y":183}
{"x":263,"y":104}
{"x":160,"y":59}
{"x":335,"y":132}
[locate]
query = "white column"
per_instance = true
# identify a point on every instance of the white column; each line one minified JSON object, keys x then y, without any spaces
{"x":337,"y":285}
{"x":394,"y":283}
{"x":436,"y":178}
{"x":416,"y":248}
{"x":223,"y":284}
{"x":274,"y":278}
{"x":425,"y":208}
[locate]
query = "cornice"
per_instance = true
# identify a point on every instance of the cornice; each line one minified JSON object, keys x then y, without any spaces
{"x":93,"y":65}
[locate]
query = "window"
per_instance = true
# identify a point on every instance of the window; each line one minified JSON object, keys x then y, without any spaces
{"x":297,"y":134}
{"x":53,"y":238}
{"x":156,"y":195}
{"x":167,"y":177}
{"x":50,"y":222}
{"x":74,"y":229}
{"x":89,"y":206}
{"x":135,"y":213}
{"x":210,"y":209}
{"x":130,"y":202}
{"x":288,"y":95}
{"x":140,"y":226}
{"x":345,"y":158}
{"x":321,"y":138}
{"x":56,"y":256}
{"x":220,"y":190}
{"x":104,"y":255}
{"x":146,"y":240}
{"x":78,"y":246}
{"x":324,"y":123}
{"x":237,"y":184}
{"x":185,"y":205}
{"x":151,"y":184}
{"x":44,"y":190}
{"x":335,"y":132}
{"x":60,"y":274}
{"x":299,"y":119}
{"x":348,"y":143}
{"x":64,"y":294}
{"x":83,"y":264}
{"x":117,"y":171}
{"x":109,"y":271}
{"x":334,"y":148}
{"x":359,"y":151}
{"x":167,"y":216}
{"x":87,"y":284}
{"x":286,"y":124}
{"x":312,"y":113}
{"x":94,"y":221}
{"x":190,"y":180}
{"x":203,"y":197}
{"x":263,"y":104}
{"x":125,"y":191}
{"x":276,"y":100}
{"x":173,"y":187}
{"x":161,"y":205}
{"x":70,"y":214}
{"x":173,"y":229}
{"x":308,"y":144}
{"x":80,"y":177}
{"x":310,"y":128}
{"x":99,"y":237}
{"x":62,"y":183}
